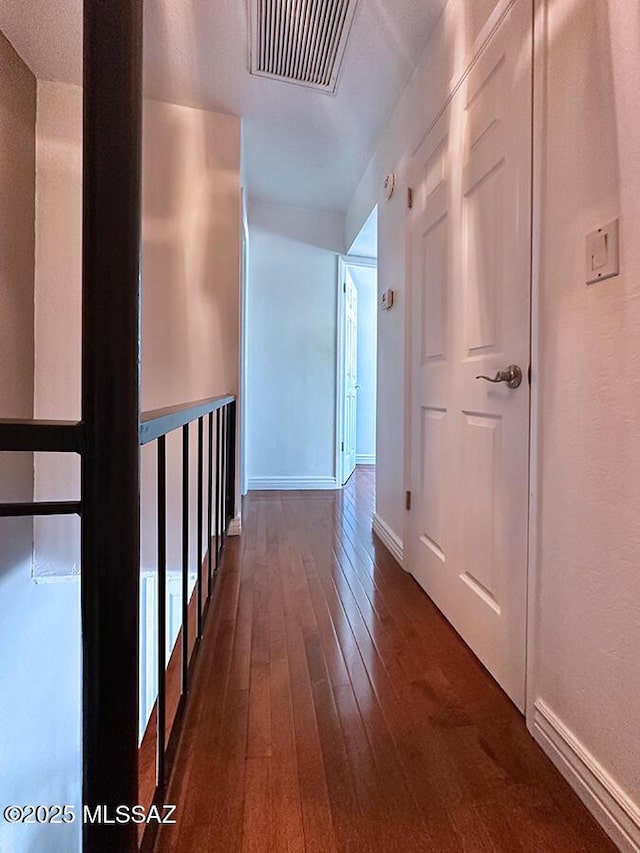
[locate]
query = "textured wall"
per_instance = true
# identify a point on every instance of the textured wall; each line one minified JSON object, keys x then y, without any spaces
{"x":587,"y":620}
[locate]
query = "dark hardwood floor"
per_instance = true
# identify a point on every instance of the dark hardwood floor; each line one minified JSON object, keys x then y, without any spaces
{"x":335,"y":708}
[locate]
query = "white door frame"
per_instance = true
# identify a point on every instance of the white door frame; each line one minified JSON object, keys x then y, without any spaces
{"x":244,"y":349}
{"x":344,"y":262}
{"x":537,"y":160}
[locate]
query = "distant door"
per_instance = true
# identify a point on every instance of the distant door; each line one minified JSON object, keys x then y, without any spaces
{"x":470,"y":259}
{"x":350,"y":406}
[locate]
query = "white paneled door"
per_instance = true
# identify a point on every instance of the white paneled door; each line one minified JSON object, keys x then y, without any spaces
{"x":350,"y":406}
{"x":470,"y":231}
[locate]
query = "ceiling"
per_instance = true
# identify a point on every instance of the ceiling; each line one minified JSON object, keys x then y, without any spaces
{"x":301,"y":147}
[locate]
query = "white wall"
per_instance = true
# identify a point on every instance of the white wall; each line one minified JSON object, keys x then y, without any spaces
{"x":366,"y":242}
{"x":191,"y":254}
{"x":190,"y":288}
{"x":291,"y":333}
{"x":585,"y":583}
{"x":40,"y":627}
{"x":40,"y":710}
{"x":366,"y":282}
{"x":58,"y":322}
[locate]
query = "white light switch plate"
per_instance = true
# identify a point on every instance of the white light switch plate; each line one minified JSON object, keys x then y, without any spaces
{"x":603,"y":253}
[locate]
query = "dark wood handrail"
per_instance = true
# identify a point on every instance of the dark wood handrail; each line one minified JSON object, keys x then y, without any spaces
{"x":159,"y":422}
{"x":40,"y":436}
{"x":39,"y":508}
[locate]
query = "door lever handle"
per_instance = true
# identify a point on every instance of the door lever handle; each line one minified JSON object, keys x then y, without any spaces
{"x":512,"y":376}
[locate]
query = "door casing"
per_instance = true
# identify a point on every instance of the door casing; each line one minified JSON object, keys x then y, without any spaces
{"x":344,"y":262}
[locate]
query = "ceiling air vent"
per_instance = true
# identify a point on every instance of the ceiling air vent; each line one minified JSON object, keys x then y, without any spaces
{"x":300,"y":41}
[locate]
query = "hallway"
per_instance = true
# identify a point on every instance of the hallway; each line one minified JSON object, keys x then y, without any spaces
{"x":335,"y":709}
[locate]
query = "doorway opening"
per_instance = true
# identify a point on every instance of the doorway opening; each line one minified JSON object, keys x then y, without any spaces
{"x":357,"y":353}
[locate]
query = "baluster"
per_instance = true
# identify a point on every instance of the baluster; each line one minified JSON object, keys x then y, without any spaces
{"x":162,"y":611}
{"x":231,"y":488}
{"x":210,"y":502}
{"x":225,"y":413}
{"x":218,"y":499}
{"x":200,"y":509}
{"x":185,"y":559}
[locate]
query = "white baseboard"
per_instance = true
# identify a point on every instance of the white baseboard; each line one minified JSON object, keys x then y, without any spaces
{"x":258,"y":484}
{"x":389,"y":538}
{"x":365,"y":459}
{"x":618,"y":815}
{"x":235,"y":526}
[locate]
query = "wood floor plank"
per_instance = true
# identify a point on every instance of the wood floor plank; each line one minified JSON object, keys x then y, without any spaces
{"x":335,"y":709}
{"x":340,"y":784}
{"x":319,"y":832}
{"x":287,"y":828}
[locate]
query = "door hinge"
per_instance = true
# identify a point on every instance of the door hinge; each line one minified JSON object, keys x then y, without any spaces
{"x":410,"y":198}
{"x":529,"y":374}
{"x":344,"y":286}
{"x":343,"y":446}
{"x":407,"y":500}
